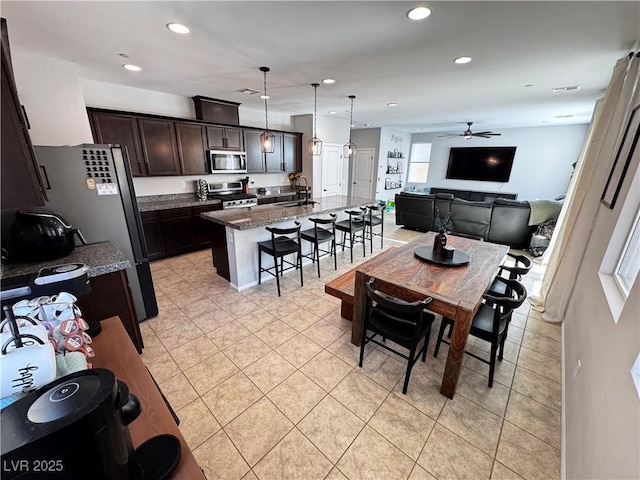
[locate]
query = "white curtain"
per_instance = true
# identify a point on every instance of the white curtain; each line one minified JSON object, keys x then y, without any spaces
{"x":571,"y":236}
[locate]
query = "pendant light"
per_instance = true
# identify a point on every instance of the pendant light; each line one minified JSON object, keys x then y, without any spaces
{"x":315,"y":144}
{"x":266,"y":139}
{"x":349,"y":149}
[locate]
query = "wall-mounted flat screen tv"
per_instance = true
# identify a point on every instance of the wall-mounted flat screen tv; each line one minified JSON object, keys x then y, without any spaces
{"x":485,"y":164}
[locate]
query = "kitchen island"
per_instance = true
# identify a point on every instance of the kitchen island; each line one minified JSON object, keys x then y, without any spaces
{"x":236,"y":232}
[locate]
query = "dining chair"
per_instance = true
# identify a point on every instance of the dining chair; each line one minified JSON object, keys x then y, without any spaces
{"x":406,"y":324}
{"x":284,"y":241}
{"x":319,"y":235}
{"x":371,"y":220}
{"x":517,"y":267}
{"x":351,"y":226}
{"x":490,"y":322}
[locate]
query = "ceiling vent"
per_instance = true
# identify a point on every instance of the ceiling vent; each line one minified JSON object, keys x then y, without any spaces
{"x":249,"y":91}
{"x":564,"y":116}
{"x":572,"y":88}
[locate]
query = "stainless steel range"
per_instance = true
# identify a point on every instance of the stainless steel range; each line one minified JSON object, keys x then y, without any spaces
{"x":231,"y":195}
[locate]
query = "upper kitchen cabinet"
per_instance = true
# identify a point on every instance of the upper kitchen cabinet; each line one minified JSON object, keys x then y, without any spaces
{"x":292,"y":152}
{"x":21,"y":183}
{"x":159,"y":146}
{"x":255,"y":157}
{"x":215,"y":110}
{"x":274,"y":160}
{"x":225,"y":138}
{"x":122,"y":130}
{"x":192,"y":148}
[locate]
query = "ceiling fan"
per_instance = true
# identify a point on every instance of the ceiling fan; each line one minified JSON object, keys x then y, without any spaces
{"x":467,"y":134}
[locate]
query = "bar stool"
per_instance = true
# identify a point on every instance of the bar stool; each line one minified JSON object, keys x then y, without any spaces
{"x":351,"y":226}
{"x":371,"y":220}
{"x":279,"y":247}
{"x":318,"y":235}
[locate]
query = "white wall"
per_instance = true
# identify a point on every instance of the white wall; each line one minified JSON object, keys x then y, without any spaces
{"x":120,"y":97}
{"x":329,"y":129}
{"x":391,"y":140}
{"x":383,"y":141}
{"x":50,"y":91}
{"x":601,"y":405}
{"x":542,"y":165}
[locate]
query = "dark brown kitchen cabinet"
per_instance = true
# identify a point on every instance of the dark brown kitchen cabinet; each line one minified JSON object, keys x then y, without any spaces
{"x":291,"y":152}
{"x":21,"y":183}
{"x":202,"y":225}
{"x":178,"y":232}
{"x":122,"y":130}
{"x":192,"y":144}
{"x":274,"y":160}
{"x":225,"y":138}
{"x":255,"y":157}
{"x":153,"y":235}
{"x":159,"y":146}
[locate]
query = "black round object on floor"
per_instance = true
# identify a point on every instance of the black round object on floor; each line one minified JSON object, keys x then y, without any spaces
{"x":157,"y":458}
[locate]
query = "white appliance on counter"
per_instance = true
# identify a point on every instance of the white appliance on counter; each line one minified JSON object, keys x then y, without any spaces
{"x":93,"y":187}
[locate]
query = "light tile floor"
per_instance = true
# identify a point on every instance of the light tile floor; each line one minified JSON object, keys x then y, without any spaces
{"x":269,"y":387}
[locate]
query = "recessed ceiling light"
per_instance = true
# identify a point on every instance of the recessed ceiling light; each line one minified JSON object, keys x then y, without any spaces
{"x":328,"y":81}
{"x":462,"y":60}
{"x":366,"y":124}
{"x":178,"y":28}
{"x":418,"y":13}
{"x":332,"y":112}
{"x":133,"y":68}
{"x":392,"y":104}
{"x":265,"y":97}
{"x":123,"y":55}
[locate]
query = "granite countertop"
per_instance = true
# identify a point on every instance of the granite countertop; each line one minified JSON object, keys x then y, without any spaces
{"x":101,"y":258}
{"x":178,"y":200}
{"x":264,"y":215}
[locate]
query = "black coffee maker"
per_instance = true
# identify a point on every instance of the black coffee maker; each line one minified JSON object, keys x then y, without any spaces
{"x":73,"y":428}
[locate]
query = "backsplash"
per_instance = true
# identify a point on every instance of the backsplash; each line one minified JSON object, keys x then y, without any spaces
{"x":146,"y":186}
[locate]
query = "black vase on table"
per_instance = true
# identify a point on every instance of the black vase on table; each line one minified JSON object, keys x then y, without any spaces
{"x":439,"y":241}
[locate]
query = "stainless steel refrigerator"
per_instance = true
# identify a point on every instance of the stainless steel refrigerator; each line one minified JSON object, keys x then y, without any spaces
{"x":91,"y":185}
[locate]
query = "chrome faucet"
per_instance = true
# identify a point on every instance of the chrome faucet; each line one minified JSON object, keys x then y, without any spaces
{"x":306,"y":189}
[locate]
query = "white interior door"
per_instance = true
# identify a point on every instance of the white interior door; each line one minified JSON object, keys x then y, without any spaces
{"x":331,"y":170}
{"x":362,"y":173}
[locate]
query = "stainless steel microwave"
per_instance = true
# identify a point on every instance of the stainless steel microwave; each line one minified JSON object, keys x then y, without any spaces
{"x":225,"y":161}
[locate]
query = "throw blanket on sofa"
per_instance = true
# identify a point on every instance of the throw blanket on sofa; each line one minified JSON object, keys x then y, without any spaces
{"x":543,"y":210}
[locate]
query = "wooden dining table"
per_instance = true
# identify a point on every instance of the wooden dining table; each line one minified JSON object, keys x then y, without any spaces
{"x":456,"y":290}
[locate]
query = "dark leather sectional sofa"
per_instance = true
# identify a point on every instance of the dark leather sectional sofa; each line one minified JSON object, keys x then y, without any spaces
{"x":502,"y":220}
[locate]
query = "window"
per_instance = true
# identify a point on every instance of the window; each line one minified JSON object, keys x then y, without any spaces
{"x":629,"y":264}
{"x":621,"y":262}
{"x":419,"y":163}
